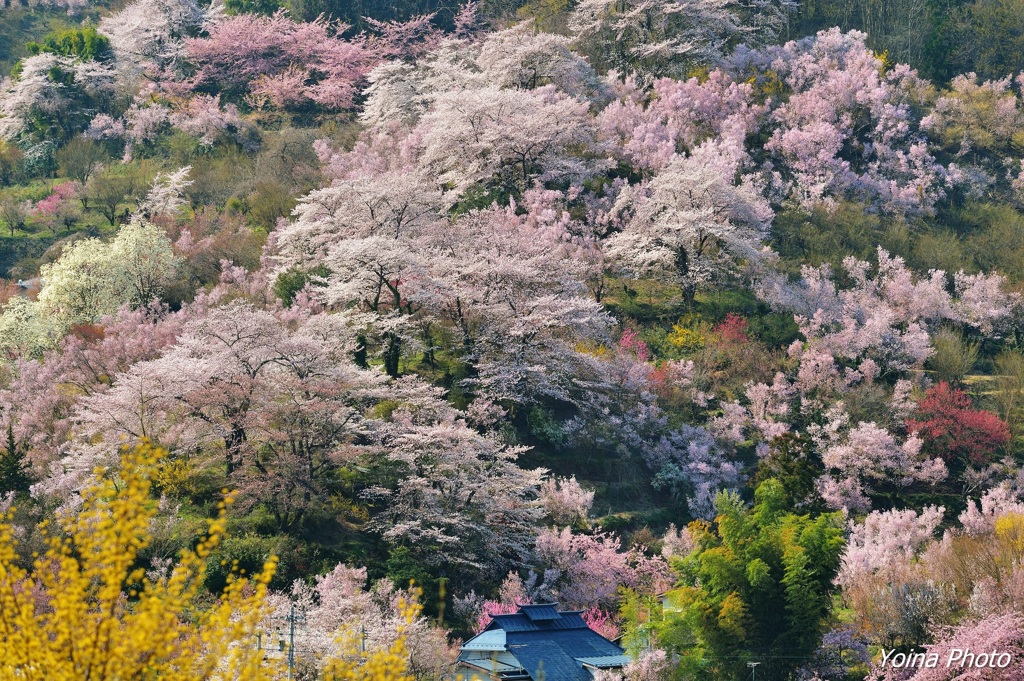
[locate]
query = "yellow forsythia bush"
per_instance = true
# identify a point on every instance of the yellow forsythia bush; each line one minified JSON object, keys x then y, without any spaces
{"x":87,"y":611}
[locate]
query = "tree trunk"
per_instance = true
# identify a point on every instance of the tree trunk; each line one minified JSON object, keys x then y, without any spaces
{"x":392,"y":353}
{"x":428,"y":342}
{"x":359,"y":356}
{"x":233,"y":447}
{"x":683,"y":268}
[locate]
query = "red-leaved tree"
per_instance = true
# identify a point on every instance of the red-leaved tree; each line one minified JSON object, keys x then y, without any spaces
{"x":953,"y":429}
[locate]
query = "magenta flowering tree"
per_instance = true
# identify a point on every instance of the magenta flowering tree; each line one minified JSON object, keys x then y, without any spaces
{"x":60,"y":209}
{"x":512,"y":593}
{"x":953,"y":429}
{"x":602,"y":622}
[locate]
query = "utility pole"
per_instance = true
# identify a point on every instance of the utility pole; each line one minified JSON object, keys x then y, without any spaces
{"x":292,"y":618}
{"x":291,"y":641}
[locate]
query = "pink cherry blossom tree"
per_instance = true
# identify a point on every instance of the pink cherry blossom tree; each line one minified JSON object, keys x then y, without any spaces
{"x":869,"y":456}
{"x":339,"y":610}
{"x":461,"y":500}
{"x":885,"y":541}
{"x":261,"y":56}
{"x":586,"y":571}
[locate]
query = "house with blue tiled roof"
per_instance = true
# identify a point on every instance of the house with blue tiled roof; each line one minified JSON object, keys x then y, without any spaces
{"x":538,"y":643}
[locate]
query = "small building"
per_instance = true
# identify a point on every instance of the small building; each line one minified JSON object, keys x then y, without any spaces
{"x":538,"y":643}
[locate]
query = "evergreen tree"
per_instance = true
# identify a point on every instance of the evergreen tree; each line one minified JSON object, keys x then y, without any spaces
{"x":14,"y":472}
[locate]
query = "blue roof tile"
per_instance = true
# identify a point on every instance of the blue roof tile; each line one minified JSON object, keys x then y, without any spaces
{"x":520,"y":622}
{"x":552,"y":645}
{"x":604,"y":661}
{"x":554,"y":653}
{"x":540,"y":612}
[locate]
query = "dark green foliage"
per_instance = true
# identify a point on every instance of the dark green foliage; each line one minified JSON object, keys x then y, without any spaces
{"x":478,"y":197}
{"x":775,"y":330}
{"x":827,"y":236}
{"x":355,"y":12}
{"x":986,"y":37}
{"x":251,"y":551}
{"x":544,"y":426}
{"x":994,"y":238}
{"x":268,"y":202}
{"x":14,"y":470}
{"x":940,"y":38}
{"x":793,"y":462}
{"x":293,"y":280}
{"x":19,"y":257}
{"x":404,"y":569}
{"x":266,"y":7}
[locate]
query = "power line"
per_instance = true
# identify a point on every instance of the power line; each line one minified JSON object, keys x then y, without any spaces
{"x":291,"y":618}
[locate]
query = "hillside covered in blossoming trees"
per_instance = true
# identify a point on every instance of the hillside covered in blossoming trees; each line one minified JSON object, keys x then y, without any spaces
{"x":330,"y":329}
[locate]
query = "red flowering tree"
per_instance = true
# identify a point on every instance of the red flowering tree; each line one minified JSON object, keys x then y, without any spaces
{"x":732,"y":330}
{"x":953,"y":429}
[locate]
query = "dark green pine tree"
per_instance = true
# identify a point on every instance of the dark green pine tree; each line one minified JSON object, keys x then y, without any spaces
{"x":14,"y":473}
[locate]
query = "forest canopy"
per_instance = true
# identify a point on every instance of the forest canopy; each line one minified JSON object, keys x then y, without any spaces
{"x":330,"y":331}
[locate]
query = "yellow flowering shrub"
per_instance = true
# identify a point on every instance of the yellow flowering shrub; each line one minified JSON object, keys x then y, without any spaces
{"x":592,"y":348}
{"x":1010,"y":531}
{"x":768,"y":84}
{"x":87,"y":611}
{"x":690,"y":334}
{"x":176,"y":477}
{"x":885,"y":61}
